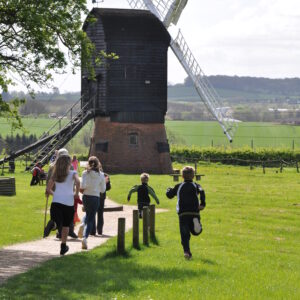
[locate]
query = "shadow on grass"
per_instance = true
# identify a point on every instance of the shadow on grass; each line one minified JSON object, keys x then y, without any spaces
{"x":92,"y":274}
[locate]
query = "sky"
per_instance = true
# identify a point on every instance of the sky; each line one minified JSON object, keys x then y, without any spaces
{"x":259,"y":38}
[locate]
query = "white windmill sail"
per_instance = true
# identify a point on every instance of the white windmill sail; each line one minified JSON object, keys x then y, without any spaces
{"x":169,"y":11}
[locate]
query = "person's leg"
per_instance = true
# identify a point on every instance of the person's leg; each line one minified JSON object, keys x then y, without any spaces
{"x":91,"y":206}
{"x":185,"y":234}
{"x":140,"y":208}
{"x":93,"y":230}
{"x":71,"y":230}
{"x":100,"y":218}
{"x":195,"y":225}
{"x":68,"y":214}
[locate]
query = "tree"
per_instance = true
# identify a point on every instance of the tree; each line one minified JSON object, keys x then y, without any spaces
{"x":33,"y":38}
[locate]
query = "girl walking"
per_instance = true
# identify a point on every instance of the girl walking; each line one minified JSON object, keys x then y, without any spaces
{"x":92,"y":184}
{"x":62,"y":207}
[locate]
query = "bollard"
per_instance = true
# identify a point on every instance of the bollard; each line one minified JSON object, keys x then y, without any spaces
{"x":145,"y":225}
{"x":135,"y":229}
{"x":121,"y":236}
{"x":152,"y":222}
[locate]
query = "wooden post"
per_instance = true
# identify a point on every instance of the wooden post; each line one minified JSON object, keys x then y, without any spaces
{"x":145,"y":225}
{"x":297,"y":167}
{"x":152,"y":222}
{"x":121,"y":236}
{"x":135,"y":229}
{"x":212,"y":143}
{"x":252,"y":143}
{"x":264,"y":171}
{"x":281,"y":167}
{"x":195,"y":167}
{"x":293,"y":146}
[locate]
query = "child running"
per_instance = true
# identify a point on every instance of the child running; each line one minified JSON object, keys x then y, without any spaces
{"x":143,"y":191}
{"x":188,"y":207}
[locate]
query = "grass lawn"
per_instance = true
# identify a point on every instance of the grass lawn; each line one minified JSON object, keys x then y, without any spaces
{"x":262,"y":134}
{"x":249,"y":248}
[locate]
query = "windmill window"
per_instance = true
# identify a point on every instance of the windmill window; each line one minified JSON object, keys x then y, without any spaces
{"x":133,"y":139}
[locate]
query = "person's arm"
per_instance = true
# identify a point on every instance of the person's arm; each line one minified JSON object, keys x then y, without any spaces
{"x":77,"y":184}
{"x":152,"y":193}
{"x":171,"y":192}
{"x":102,"y":183}
{"x":83,"y":182}
{"x":132,"y":190}
{"x":49,"y":189}
{"x":202,"y":197}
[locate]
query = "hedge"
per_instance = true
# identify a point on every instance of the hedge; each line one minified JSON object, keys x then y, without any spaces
{"x":242,"y":156}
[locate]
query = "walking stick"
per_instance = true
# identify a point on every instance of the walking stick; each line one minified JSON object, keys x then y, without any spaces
{"x":46,"y":208}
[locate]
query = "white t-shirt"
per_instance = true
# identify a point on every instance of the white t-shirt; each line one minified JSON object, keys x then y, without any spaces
{"x":64,"y":191}
{"x":93,"y":183}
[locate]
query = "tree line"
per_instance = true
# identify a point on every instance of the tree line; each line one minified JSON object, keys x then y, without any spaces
{"x":13,"y":143}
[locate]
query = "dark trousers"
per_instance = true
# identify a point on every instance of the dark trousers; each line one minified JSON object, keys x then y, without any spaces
{"x":100,"y":219}
{"x":186,"y":226}
{"x":35,"y":180}
{"x":141,"y":205}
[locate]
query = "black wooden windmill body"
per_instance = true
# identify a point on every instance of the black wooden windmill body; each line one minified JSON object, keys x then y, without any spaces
{"x":131,"y":93}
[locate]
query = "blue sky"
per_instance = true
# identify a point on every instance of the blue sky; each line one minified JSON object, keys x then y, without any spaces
{"x":231,"y":37}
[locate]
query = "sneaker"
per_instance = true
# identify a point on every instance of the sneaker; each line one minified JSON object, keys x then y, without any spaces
{"x":197,"y":225}
{"x":73,"y":235}
{"x":63,"y":249}
{"x":58,"y":235}
{"x":80,"y":230}
{"x":187,"y":255}
{"x":84,"y":244}
{"x":50,"y":226}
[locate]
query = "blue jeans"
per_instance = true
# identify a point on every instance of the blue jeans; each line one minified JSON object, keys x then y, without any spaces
{"x":91,"y":204}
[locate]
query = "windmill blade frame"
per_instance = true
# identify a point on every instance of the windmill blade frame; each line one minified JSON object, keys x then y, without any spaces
{"x":163,"y":9}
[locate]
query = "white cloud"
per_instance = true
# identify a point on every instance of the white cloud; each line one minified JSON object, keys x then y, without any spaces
{"x":233,"y":37}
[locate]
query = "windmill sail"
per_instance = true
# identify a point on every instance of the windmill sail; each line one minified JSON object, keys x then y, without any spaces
{"x":168,"y":11}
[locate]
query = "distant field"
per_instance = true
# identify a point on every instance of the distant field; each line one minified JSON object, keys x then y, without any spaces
{"x":198,"y":133}
{"x":210,"y":133}
{"x":32,"y":126}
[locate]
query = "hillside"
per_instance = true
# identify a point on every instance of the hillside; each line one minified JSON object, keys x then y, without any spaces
{"x":242,"y":89}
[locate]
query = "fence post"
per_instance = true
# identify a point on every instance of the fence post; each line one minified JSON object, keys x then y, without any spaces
{"x":121,"y":236}
{"x":264,"y":171}
{"x":281,"y":167}
{"x":293,"y":145}
{"x":135,"y":229}
{"x":195,"y":167}
{"x":145,"y":225}
{"x":152,"y":222}
{"x":212,"y":143}
{"x":297,"y":167}
{"x":252,"y":144}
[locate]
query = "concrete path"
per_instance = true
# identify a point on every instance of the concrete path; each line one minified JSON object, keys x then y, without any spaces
{"x":19,"y":258}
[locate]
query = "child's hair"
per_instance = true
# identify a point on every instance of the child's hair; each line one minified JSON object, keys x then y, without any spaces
{"x":61,"y":168}
{"x":94,"y":164}
{"x":188,"y":173}
{"x":144,"y":177}
{"x":74,"y":157}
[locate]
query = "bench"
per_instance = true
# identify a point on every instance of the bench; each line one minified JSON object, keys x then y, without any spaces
{"x":42,"y":178}
{"x":176,"y":176}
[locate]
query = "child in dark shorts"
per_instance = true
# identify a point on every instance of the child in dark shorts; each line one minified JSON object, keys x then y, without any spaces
{"x":143,"y":191}
{"x":188,"y":207}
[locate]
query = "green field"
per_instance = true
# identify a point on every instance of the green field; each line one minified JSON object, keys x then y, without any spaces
{"x":195,"y":133}
{"x":249,"y":248}
{"x":247,"y":134}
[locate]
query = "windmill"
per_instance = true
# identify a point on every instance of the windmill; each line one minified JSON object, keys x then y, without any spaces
{"x":131,"y":133}
{"x":168,"y":12}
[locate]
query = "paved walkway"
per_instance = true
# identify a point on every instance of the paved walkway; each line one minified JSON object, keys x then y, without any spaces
{"x":19,"y":258}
